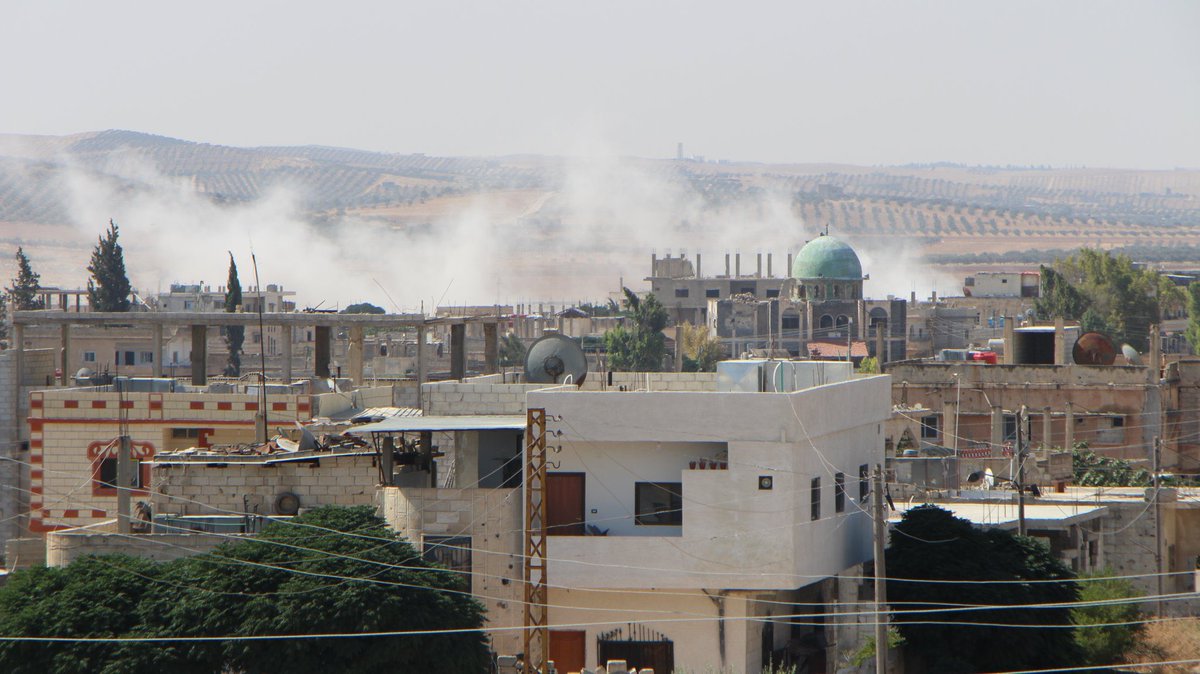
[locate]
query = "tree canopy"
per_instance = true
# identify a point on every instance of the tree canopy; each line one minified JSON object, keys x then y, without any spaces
{"x":1193,"y":313}
{"x":24,"y":289}
{"x":363,"y":308}
{"x":701,"y":351}
{"x":932,"y":544}
{"x":1105,"y":293}
{"x":235,"y":335}
{"x":512,"y":350}
{"x":642,"y":346}
{"x":296,"y":578}
{"x":109,"y":288}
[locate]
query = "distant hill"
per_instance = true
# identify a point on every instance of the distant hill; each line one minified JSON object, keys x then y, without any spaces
{"x":947,"y":209}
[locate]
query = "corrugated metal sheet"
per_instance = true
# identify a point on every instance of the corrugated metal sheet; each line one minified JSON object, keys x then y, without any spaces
{"x":480,"y":422}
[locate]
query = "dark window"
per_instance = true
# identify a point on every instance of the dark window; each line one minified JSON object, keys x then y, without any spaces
{"x":929,"y":427}
{"x":681,"y":292}
{"x":452,"y":552}
{"x":864,"y":484}
{"x":839,"y":493}
{"x":713,"y":292}
{"x":129,"y":358}
{"x":1010,"y":427}
{"x":772,"y":292}
{"x":658,"y":503}
{"x":1118,"y":422}
{"x":747,"y":290}
{"x":108,"y":473}
{"x":816,"y":498}
{"x":843,"y":321}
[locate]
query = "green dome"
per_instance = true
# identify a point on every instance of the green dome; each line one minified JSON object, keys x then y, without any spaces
{"x":826,"y":257}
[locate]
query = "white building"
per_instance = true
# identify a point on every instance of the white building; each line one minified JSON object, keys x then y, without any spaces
{"x":681,"y":520}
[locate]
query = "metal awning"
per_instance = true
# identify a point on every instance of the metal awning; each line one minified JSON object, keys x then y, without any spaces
{"x":469,"y":422}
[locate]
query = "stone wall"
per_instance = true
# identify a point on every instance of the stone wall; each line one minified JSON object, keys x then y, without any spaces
{"x":201,"y":488}
{"x":492,"y":518}
{"x":490,"y":395}
{"x":64,"y":547}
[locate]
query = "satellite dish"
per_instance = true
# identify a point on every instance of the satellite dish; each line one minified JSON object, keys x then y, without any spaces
{"x":554,"y":357}
{"x":1131,"y":354}
{"x":1094,"y":348}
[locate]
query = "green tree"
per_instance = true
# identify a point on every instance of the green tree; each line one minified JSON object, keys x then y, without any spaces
{"x":512,"y":351}
{"x":1193,"y":313}
{"x":235,"y":335}
{"x":24,"y":289}
{"x":1105,"y":292}
{"x":642,"y":346}
{"x":932,"y":544}
{"x":3,"y":317}
{"x":701,"y":351}
{"x":1104,"y":645}
{"x":1093,"y":470}
{"x":109,"y":288}
{"x":363,"y":308}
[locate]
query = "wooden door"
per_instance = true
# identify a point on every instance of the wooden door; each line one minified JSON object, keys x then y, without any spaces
{"x":564,"y":504}
{"x":567,"y":650}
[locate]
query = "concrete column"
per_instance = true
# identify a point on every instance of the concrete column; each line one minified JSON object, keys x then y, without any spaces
{"x":1010,"y":338}
{"x":880,"y":349}
{"x":491,"y":348}
{"x":421,"y":366}
{"x":387,"y":460}
{"x":1069,"y":428}
{"x":288,"y":334}
{"x":860,"y":331}
{"x":1062,"y":354}
{"x":737,"y":265}
{"x":458,"y":351}
{"x":997,"y":438}
{"x":1155,"y":355}
{"x":323,"y":335}
{"x":789,"y":267}
{"x":726,"y":265}
{"x":769,"y":274}
{"x":18,"y":344}
{"x":158,"y":350}
{"x":698,"y":274}
{"x":950,"y":424}
{"x":199,"y":355}
{"x":759,"y":272}
{"x":356,"y":354}
{"x":64,"y":362}
{"x":1047,"y":429}
{"x":809,"y":326}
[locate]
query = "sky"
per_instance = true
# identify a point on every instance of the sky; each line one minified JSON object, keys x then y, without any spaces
{"x":1016,"y":82}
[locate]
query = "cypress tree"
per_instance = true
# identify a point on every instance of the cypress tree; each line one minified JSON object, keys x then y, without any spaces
{"x":24,"y":290}
{"x":109,"y":288}
{"x":235,"y":335}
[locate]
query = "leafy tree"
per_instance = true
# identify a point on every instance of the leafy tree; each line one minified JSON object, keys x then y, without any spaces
{"x":512,"y":350}
{"x":235,"y":335}
{"x":24,"y":289}
{"x":869,"y":365}
{"x":3,"y":317}
{"x":109,"y":288}
{"x":1105,"y":292}
{"x":1093,"y":470}
{"x":1059,"y":297}
{"x":932,"y":544}
{"x":701,"y":351}
{"x":363,"y":308}
{"x":641,"y":347}
{"x":295,"y":578}
{"x":1104,"y":645}
{"x":1193,"y":312}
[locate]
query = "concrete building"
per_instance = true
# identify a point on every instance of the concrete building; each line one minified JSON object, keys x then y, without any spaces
{"x":1003,"y":284}
{"x":679,"y":283}
{"x":676,"y":499}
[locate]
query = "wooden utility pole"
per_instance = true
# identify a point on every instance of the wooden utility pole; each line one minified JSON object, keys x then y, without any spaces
{"x":537,"y":633}
{"x":879,"y":515}
{"x":1021,"y":471}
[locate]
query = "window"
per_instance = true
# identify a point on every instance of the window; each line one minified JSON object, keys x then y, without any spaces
{"x":147,"y":356}
{"x":713,"y":293}
{"x":89,"y":356}
{"x":747,"y":290}
{"x":839,"y":493}
{"x":181,"y":433}
{"x":1010,"y":427}
{"x":772,"y":292}
{"x":816,"y":498}
{"x":658,"y":503}
{"x":1118,"y":422}
{"x":681,"y":292}
{"x":107,"y":475}
{"x":258,"y":338}
{"x":452,"y":552}
{"x":929,"y":427}
{"x":864,"y":484}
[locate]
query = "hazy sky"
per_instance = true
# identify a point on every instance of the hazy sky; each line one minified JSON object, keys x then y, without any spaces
{"x":1064,"y":83}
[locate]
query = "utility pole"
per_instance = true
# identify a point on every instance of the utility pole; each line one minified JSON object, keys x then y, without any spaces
{"x":880,"y":521}
{"x":1021,"y":471}
{"x":124,"y":483}
{"x":1158,"y":561}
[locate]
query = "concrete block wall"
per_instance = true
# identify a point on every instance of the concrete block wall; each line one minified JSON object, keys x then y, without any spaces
{"x":492,"y":518}
{"x":454,"y":398}
{"x":69,"y":429}
{"x":231,"y":488}
{"x":64,"y":547}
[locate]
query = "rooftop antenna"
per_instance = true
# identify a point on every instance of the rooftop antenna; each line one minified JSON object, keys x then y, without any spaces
{"x":386,"y":294}
{"x":260,"y":417}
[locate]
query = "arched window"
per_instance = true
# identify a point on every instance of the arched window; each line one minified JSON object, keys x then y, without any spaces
{"x":843,"y":321}
{"x":837,"y":291}
{"x":826,"y":321}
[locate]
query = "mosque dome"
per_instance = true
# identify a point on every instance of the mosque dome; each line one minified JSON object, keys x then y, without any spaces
{"x":827,"y":257}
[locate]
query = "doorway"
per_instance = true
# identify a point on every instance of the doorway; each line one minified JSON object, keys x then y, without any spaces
{"x":565,"y":504}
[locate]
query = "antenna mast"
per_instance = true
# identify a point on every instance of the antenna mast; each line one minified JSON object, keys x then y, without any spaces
{"x":260,"y":417}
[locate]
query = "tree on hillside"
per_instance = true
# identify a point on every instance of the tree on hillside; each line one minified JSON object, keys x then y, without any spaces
{"x":331,"y":570}
{"x":24,"y":289}
{"x":1193,"y":313}
{"x":932,"y":544}
{"x":642,"y":346}
{"x":109,"y":288}
{"x":235,"y":335}
{"x":363,"y":308}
